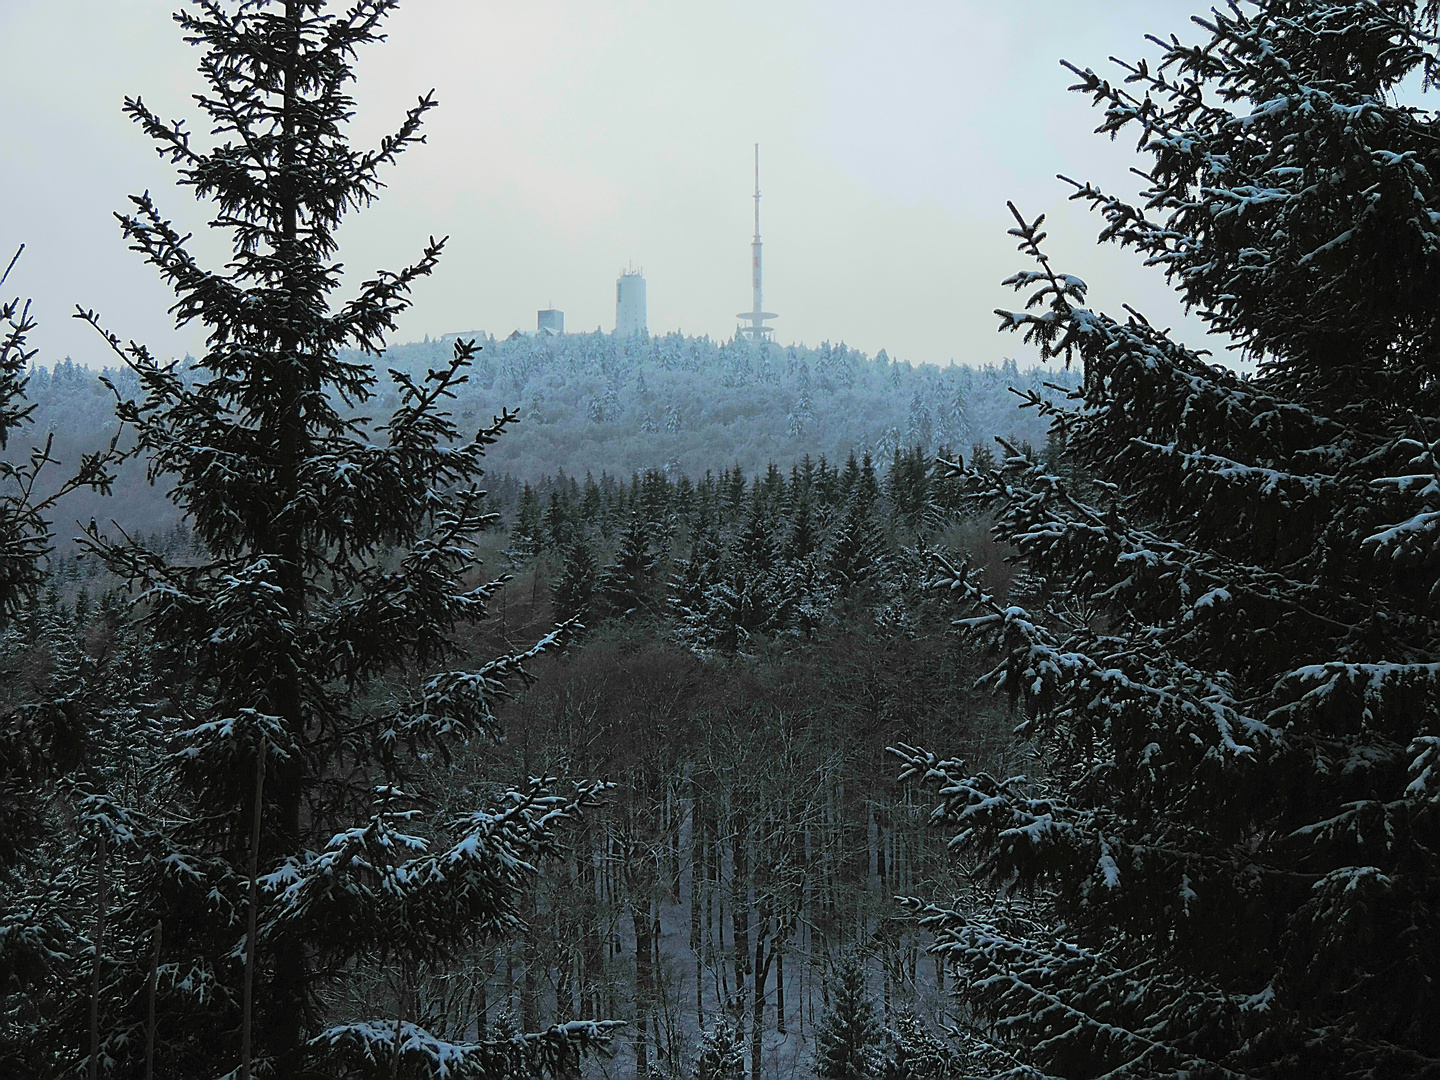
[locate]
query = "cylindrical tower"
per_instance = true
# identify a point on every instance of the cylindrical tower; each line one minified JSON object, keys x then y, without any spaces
{"x":630,"y":318}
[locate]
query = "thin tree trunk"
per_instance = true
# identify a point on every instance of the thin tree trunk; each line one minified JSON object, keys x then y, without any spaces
{"x":399,"y":1023}
{"x":697,"y":897}
{"x":640,"y":916}
{"x":150,"y":1018}
{"x":757,"y":1002}
{"x":677,"y":819}
{"x":780,"y":982}
{"x":100,"y":899}
{"x":659,"y":1003}
{"x":289,"y":988}
{"x":564,"y":1008}
{"x":873,"y":857}
{"x":247,"y":997}
{"x":482,"y":1003}
{"x":510,"y":980}
{"x":882,"y":850}
{"x":529,"y":961}
{"x":887,"y":970}
{"x":720,"y":928}
{"x":740,"y":908}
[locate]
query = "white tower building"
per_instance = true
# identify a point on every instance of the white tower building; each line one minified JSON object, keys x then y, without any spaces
{"x":630,"y":316}
{"x":756,"y":330}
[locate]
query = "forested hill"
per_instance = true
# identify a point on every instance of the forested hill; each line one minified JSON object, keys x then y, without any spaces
{"x":594,"y":402}
{"x":606,"y":404}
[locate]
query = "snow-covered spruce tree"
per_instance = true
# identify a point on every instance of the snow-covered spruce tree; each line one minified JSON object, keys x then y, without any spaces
{"x":299,"y":834}
{"x":722,"y":1051}
{"x":756,"y":586}
{"x":1227,"y":861}
{"x":847,"y":1040}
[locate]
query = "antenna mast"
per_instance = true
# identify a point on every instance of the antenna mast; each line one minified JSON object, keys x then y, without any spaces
{"x":757,"y":193}
{"x":756,"y":330}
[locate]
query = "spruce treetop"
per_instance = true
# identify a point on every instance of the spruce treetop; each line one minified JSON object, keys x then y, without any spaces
{"x":315,"y":669}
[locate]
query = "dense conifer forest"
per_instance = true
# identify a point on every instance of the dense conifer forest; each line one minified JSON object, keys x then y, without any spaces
{"x":669,"y":708}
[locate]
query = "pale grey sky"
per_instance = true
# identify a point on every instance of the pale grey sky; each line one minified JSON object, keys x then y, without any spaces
{"x":574,"y":138}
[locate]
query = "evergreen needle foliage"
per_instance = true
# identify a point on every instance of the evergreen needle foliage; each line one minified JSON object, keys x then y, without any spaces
{"x":1225,"y":863}
{"x":309,"y":682}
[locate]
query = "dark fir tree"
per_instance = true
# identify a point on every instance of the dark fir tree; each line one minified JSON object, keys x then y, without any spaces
{"x":527,"y":538}
{"x":907,"y":486}
{"x":982,"y":458}
{"x":292,"y":837}
{"x":573,"y":590}
{"x":857,"y":545}
{"x":625,"y":585}
{"x":697,"y":573}
{"x":802,"y":536}
{"x":556,"y":525}
{"x":1226,"y":859}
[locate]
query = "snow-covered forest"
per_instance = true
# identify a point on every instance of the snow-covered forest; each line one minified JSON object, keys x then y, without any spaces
{"x":671,"y":708}
{"x":595,"y":403}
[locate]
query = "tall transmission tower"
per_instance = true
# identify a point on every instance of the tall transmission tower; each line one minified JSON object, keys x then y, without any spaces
{"x":756,"y":330}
